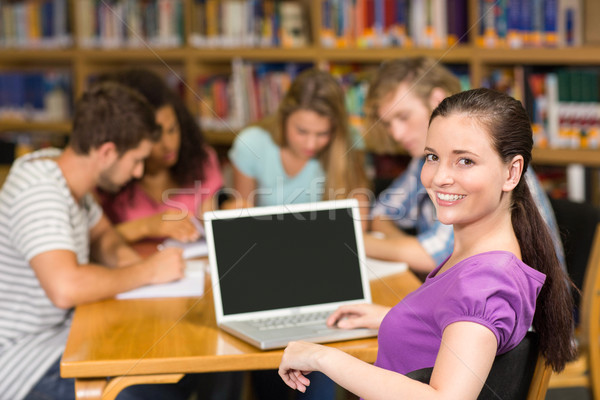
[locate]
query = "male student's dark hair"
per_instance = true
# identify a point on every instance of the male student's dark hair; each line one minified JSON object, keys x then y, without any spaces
{"x":110,"y":112}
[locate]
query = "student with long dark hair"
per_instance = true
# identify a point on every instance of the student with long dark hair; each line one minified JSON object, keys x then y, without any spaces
{"x":182,"y":173}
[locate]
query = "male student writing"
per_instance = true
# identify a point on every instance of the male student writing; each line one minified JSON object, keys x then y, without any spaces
{"x":51,"y":229}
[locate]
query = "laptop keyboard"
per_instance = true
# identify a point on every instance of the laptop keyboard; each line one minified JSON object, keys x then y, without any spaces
{"x":290,"y":321}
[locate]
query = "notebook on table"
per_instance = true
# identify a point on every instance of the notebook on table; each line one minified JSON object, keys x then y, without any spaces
{"x":278,"y":272}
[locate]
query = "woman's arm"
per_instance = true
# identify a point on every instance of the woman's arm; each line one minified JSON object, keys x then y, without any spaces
{"x":170,"y":224}
{"x":364,"y":207}
{"x":461,"y":368}
{"x":108,"y":247}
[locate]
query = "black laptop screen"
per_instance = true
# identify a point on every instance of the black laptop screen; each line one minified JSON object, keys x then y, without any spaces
{"x":286,"y":260}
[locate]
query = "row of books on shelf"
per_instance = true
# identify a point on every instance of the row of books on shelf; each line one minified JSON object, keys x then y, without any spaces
{"x":251,"y":92}
{"x":34,"y":24}
{"x":387,"y":23}
{"x":530,"y":23}
{"x":563,"y":104}
{"x":249,"y":23}
{"x":130,"y":23}
{"x":254,"y":90}
{"x":35,"y":95}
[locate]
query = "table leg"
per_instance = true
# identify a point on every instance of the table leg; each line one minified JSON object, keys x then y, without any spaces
{"x":108,"y":389}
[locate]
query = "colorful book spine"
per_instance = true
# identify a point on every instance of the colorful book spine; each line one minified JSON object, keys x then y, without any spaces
{"x":551,"y":23}
{"x":35,"y":96}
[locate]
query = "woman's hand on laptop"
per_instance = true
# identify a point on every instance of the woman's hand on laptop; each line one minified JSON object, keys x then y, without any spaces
{"x":358,"y":316}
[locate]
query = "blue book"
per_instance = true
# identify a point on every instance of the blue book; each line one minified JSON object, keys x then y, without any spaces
{"x":15,"y":90}
{"x":47,"y":20}
{"x":34,"y":91}
{"x":379,"y":19}
{"x":526,"y":20}
{"x":513,"y":23}
{"x":550,"y":22}
{"x":3,"y":92}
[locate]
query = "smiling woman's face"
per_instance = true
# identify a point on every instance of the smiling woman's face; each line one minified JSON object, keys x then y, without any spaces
{"x":463,"y":174}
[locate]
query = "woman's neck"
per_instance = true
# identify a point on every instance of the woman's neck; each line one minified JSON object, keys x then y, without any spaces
{"x":292,"y":164}
{"x":155,"y":183}
{"x":493,"y":234}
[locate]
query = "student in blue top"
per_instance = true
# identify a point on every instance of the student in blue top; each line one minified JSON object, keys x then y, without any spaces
{"x":303,"y":153}
{"x":400,"y":100}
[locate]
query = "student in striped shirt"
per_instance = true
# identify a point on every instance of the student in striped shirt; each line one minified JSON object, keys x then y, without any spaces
{"x":58,"y":250}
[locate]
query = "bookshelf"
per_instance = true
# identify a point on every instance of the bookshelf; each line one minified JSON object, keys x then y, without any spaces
{"x":188,"y":62}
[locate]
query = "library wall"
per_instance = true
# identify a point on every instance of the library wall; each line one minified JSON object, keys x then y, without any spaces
{"x":232,"y":60}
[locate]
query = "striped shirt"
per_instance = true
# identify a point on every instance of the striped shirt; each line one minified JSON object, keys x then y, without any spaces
{"x":37,"y":214}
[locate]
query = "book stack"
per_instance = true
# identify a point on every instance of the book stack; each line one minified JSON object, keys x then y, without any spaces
{"x":248,"y":23}
{"x":130,"y":23}
{"x":35,"y":24}
{"x":393,"y":23}
{"x":530,"y":23}
{"x":35,"y":96}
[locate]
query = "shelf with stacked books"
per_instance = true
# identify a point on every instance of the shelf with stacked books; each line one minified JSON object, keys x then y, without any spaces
{"x":189,"y":37}
{"x":55,"y":127}
{"x":586,"y":157}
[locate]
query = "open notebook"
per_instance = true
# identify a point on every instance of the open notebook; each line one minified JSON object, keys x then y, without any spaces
{"x":278,"y":272}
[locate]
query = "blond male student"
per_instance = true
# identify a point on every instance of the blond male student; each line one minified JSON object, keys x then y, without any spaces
{"x":57,"y":249}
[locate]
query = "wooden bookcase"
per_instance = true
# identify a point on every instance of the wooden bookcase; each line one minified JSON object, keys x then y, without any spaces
{"x":188,"y":62}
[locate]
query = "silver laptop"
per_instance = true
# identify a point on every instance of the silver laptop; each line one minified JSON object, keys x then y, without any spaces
{"x":278,"y":272}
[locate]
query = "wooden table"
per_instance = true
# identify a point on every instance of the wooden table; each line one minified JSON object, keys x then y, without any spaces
{"x":117,"y":343}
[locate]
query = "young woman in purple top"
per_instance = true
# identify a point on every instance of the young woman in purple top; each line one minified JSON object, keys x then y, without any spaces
{"x":502,"y":277}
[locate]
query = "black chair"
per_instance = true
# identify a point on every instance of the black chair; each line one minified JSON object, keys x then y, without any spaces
{"x":518,"y":374}
{"x":576,"y":224}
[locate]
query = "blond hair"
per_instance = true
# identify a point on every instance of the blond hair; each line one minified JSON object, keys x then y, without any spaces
{"x":318,"y":91}
{"x":424,"y":74}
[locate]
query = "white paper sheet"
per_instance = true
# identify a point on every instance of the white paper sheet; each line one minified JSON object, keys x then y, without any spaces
{"x":377,"y":269}
{"x":191,"y":285}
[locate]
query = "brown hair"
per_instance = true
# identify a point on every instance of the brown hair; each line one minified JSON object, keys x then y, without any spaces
{"x":110,"y":112}
{"x":509,"y":128}
{"x":423,"y":73}
{"x":318,"y":91}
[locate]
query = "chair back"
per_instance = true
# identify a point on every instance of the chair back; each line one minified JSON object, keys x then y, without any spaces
{"x":539,"y":382}
{"x":589,"y":327}
{"x":520,"y":373}
{"x":577,"y":224}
